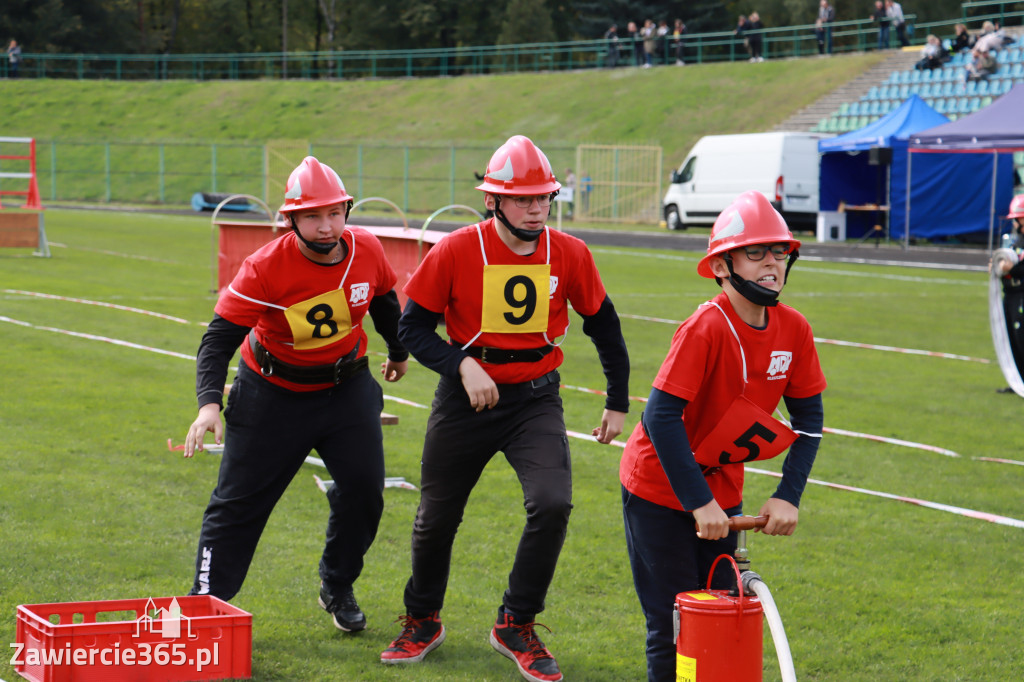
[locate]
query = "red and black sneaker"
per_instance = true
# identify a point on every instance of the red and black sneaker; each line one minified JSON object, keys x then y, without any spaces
{"x":517,"y":640}
{"x":419,"y":637}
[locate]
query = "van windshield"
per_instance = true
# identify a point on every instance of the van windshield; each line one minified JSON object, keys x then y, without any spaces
{"x":686,"y":174}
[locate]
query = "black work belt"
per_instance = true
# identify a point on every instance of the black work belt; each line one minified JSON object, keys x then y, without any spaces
{"x":503,"y":356}
{"x":337,"y":373}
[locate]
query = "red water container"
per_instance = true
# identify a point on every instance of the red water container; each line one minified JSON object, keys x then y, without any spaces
{"x":719,"y":636}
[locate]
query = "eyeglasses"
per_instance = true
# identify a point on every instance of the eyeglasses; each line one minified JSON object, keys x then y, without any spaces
{"x":758,"y":251}
{"x":543,"y":200}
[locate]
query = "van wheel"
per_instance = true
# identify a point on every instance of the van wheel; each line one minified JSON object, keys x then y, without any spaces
{"x":672,"y":220}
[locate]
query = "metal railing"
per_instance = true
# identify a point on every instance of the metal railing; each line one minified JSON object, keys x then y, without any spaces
{"x":721,"y":46}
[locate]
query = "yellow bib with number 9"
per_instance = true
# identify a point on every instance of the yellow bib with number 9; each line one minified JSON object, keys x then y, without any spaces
{"x":515,"y":299}
{"x":320,"y":321}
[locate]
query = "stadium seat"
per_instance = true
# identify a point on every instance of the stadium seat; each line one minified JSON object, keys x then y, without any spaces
{"x":833,"y":125}
{"x":874,"y":108}
{"x":905,"y":77}
{"x":973,"y":104}
{"x":963,"y":105}
{"x":894,"y":77}
{"x":985,"y":101}
{"x":926,"y":91}
{"x":959,"y":89}
{"x":940,"y":106}
{"x":972,"y":88}
{"x":1014,"y":55}
{"x":904,"y":92}
{"x":873,"y":93}
{"x":844,"y":108}
{"x":1017,"y":70}
{"x":915,"y":76}
{"x":883,"y":92}
{"x":947,"y":90}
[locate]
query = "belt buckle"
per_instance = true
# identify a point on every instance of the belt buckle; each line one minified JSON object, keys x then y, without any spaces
{"x":483,"y":353}
{"x":341,"y":372}
{"x":267,"y":365}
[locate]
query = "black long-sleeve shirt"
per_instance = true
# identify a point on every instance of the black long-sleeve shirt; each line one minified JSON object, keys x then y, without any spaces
{"x":222,"y":339}
{"x":663,"y":421}
{"x":417,"y":329}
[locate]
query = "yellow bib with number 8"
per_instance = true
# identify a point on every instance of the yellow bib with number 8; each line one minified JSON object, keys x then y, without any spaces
{"x":515,"y":299}
{"x":319,"y":321}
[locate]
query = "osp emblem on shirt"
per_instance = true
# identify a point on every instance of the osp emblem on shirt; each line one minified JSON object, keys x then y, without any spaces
{"x":779,"y":365}
{"x":359,"y":293}
{"x":553,"y":286}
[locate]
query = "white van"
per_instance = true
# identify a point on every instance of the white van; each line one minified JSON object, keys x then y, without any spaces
{"x":783,"y":166}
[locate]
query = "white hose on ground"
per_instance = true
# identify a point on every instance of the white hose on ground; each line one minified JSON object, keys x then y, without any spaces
{"x":752,"y":583}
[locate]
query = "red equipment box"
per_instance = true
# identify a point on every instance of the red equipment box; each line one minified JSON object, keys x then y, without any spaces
{"x":166,"y":639}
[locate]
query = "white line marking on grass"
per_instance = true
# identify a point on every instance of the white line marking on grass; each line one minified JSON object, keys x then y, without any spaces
{"x":112,"y":253}
{"x":892,"y":441}
{"x":909,"y":351}
{"x":838,"y":432}
{"x":403,"y":401}
{"x":999,"y":460}
{"x":94,"y":337}
{"x":101,"y":304}
{"x":960,"y":511}
{"x":823,"y":271}
{"x":836,"y":342}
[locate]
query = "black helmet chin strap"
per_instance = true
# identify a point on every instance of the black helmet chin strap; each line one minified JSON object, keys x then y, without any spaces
{"x":754,"y":292}
{"x":522,"y":235}
{"x":317,"y":247}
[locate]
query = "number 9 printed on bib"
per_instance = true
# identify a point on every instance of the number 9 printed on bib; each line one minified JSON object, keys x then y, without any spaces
{"x":515,"y":299}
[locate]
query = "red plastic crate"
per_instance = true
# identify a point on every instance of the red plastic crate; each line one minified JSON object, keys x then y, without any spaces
{"x":138,"y":640}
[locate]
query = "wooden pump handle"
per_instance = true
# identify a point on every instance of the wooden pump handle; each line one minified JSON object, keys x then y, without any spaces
{"x":737,"y":523}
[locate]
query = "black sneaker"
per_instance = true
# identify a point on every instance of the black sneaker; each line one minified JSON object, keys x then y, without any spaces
{"x":419,"y":637}
{"x":343,"y":607}
{"x":516,"y":639}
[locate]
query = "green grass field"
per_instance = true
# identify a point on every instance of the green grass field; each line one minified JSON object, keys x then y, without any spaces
{"x":93,"y":506}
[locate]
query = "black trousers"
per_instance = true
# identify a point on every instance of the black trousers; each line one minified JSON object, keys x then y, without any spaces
{"x":667,"y":558}
{"x":269,"y":432}
{"x":528,"y":426}
{"x":1013,"y":309}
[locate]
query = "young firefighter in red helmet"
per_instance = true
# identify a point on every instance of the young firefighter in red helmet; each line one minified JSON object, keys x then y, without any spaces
{"x":297,"y":306}
{"x":504,"y":286}
{"x":710,"y":410}
{"x":1012,"y":274}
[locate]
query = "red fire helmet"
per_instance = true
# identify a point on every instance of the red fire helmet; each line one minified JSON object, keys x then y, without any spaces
{"x":750,"y":219}
{"x":519,"y":167}
{"x":313,"y":184}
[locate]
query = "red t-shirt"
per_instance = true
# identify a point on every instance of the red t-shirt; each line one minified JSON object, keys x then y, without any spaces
{"x":305,"y":313}
{"x":704,"y":366}
{"x":452,"y":279}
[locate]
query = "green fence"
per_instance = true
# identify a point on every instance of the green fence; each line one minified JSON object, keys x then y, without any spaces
{"x":418,"y":178}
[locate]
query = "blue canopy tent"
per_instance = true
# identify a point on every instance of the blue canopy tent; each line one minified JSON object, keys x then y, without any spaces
{"x":864,"y":168}
{"x":982,"y":144}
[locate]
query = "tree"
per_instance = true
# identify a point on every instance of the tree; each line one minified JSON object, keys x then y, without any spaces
{"x":526,"y":21}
